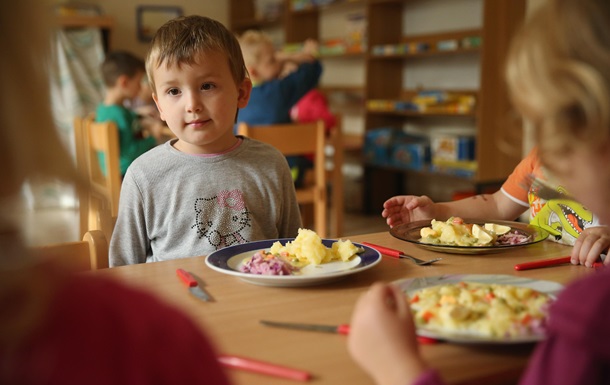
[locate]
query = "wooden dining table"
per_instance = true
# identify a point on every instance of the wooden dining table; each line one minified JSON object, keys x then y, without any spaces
{"x":232,"y":318}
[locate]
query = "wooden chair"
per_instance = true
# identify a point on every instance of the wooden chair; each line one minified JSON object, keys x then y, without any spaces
{"x":89,"y":254}
{"x":335,"y":176}
{"x":299,"y":139}
{"x":99,"y":206}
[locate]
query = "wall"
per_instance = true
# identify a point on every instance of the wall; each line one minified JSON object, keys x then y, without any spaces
{"x":124,"y":13}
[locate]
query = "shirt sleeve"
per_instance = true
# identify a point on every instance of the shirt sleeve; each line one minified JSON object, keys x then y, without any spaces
{"x":516,"y":185}
{"x":129,"y":243}
{"x":300,"y":82}
{"x":131,"y":146}
{"x":576,"y":349}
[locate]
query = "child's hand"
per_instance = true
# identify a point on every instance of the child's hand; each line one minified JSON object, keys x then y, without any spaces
{"x":592,"y":242}
{"x":382,"y":337}
{"x":407,"y":208}
{"x":310,"y":47}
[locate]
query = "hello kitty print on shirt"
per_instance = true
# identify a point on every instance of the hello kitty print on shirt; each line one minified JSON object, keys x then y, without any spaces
{"x":221,"y":219}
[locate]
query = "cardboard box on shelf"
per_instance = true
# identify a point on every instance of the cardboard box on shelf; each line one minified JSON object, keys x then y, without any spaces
{"x":413,"y":155}
{"x":448,"y":147}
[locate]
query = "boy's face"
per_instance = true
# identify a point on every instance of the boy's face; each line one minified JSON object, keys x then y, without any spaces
{"x":268,"y":67}
{"x":199,"y":102}
{"x":133,"y":85}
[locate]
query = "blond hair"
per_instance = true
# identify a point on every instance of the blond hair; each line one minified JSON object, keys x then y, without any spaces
{"x":29,"y":144}
{"x":558,"y":73}
{"x":181,"y":40}
{"x":252,"y":44}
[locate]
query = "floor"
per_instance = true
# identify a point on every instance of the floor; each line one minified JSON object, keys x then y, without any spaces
{"x":61,"y":225}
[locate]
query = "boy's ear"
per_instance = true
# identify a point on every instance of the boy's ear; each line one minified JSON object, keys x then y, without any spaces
{"x":122,"y":81}
{"x":244,"y":93}
{"x":154,"y":96}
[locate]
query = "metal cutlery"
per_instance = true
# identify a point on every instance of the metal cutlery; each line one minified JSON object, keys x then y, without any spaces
{"x":399,"y":254}
{"x":335,"y":329}
{"x":542,"y":189}
{"x":190,"y":281}
{"x":550,"y":262}
{"x":262,"y":367}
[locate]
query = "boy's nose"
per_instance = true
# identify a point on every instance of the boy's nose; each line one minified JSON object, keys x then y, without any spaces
{"x":194,"y":104}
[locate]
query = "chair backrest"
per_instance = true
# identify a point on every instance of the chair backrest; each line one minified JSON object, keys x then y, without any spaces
{"x":89,"y":254}
{"x":97,"y":157}
{"x":299,"y":139}
{"x":335,"y":177}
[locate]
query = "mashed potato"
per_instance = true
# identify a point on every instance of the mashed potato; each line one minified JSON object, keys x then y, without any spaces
{"x":455,"y":232}
{"x":307,"y":248}
{"x":488,"y":310}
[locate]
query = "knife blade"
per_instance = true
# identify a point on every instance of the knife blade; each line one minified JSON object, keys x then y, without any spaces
{"x":336,"y":329}
{"x":190,"y":281}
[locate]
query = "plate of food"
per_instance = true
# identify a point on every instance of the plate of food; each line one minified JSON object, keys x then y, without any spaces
{"x":480,"y":308}
{"x":469,"y":236}
{"x":289,"y":262}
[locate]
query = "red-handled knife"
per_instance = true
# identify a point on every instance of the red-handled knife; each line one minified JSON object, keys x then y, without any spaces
{"x":548,"y":262}
{"x":190,"y":281}
{"x":263,"y":367}
{"x":337,"y":329}
{"x":386,"y":250}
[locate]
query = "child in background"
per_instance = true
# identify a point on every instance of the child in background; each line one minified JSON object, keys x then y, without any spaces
{"x":272,"y":95}
{"x":558,"y":77}
{"x":568,"y":221}
{"x":59,"y":327}
{"x":122,"y":73}
{"x":207,"y":189}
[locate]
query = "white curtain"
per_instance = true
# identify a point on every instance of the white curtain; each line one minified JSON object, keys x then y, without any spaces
{"x":76,"y":89}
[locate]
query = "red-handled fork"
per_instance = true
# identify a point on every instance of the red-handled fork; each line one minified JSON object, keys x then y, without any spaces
{"x":399,"y":254}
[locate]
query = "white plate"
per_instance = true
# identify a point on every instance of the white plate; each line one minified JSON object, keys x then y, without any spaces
{"x":230,"y":259}
{"x":410,"y":232}
{"x":411,"y":285}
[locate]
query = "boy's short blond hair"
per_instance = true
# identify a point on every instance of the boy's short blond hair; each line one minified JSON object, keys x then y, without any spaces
{"x":252,"y":43}
{"x":558,"y":73}
{"x":181,"y":40}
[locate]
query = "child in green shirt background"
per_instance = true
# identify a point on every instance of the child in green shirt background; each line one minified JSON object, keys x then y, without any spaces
{"x":122,"y":73}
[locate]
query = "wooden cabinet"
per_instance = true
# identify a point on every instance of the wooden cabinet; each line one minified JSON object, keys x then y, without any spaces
{"x":387,"y":77}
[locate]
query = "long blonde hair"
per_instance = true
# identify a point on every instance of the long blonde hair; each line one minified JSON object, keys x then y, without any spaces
{"x":29,"y":144}
{"x":558,"y":72}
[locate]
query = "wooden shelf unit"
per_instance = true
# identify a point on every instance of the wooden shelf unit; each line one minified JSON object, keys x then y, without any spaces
{"x":384,"y":78}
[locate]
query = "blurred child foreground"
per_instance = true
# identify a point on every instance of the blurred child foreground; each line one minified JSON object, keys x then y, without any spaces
{"x":206,"y":189}
{"x":58,"y":327}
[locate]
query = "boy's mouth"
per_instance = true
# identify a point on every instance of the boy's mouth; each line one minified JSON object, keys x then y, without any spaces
{"x":197,"y":122}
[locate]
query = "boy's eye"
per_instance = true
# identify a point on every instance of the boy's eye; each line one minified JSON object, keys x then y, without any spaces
{"x":207,"y":86}
{"x":173,"y":91}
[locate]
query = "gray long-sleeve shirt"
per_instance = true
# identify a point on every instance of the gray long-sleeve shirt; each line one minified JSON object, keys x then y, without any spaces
{"x":176,"y":205}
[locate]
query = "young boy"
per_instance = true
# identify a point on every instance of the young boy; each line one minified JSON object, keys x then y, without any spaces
{"x":207,"y":189}
{"x":122,"y":73}
{"x":273,"y":96}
